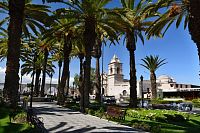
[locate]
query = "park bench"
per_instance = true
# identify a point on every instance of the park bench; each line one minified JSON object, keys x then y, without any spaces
{"x":36,"y":121}
{"x":115,"y":112}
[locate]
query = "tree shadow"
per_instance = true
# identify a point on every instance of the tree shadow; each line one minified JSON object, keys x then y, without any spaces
{"x":61,"y":124}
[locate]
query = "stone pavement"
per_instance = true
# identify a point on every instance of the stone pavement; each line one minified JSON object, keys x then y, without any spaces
{"x":58,"y":120}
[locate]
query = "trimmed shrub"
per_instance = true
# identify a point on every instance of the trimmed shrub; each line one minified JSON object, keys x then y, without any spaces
{"x":196,"y":102}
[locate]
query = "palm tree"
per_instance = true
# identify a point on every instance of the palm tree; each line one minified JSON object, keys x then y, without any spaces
{"x":97,"y":55}
{"x":186,"y":11}
{"x":78,"y":50}
{"x":3,"y":44}
{"x":152,"y":63}
{"x":87,"y":14}
{"x":46,"y":47}
{"x":17,"y":15}
{"x":65,"y":32}
{"x":27,"y":68}
{"x":11,"y":85}
{"x":133,"y":23}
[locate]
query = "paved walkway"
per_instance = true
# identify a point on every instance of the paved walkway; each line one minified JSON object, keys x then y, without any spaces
{"x":58,"y":120}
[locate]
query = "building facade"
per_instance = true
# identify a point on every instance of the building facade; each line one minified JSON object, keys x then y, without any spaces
{"x":114,"y":84}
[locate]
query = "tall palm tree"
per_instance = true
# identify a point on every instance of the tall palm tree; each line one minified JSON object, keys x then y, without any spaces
{"x":11,"y":85}
{"x":78,"y":50}
{"x":66,"y":33}
{"x":17,"y":17}
{"x":86,"y":12}
{"x":177,"y":11}
{"x":97,"y":55}
{"x":152,"y":63}
{"x":27,"y":68}
{"x":46,"y":47}
{"x":133,"y":22}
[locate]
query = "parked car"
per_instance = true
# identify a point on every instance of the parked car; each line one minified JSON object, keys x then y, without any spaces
{"x":109,"y":100}
{"x":185,"y":106}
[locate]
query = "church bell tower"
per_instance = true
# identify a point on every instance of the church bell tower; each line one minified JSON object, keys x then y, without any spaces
{"x":115,"y":71}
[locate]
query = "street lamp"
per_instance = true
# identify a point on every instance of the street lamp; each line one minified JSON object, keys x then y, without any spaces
{"x":102,"y":75}
{"x":73,"y":92}
{"x":141,"y":86}
{"x":51,"y":75}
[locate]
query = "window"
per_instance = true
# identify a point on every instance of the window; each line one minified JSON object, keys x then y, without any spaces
{"x":171,"y":85}
{"x":111,"y":71}
{"x":124,"y":92}
{"x":117,"y":70}
{"x":176,"y":85}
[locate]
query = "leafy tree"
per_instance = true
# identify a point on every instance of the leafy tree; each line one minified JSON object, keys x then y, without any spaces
{"x":152,"y":63}
{"x":16,"y":12}
{"x":133,"y":20}
{"x":27,"y":67}
{"x":87,"y":13}
{"x":177,"y":11}
{"x":18,"y":15}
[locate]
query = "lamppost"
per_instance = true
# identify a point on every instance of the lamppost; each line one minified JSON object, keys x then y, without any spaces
{"x":102,"y":52}
{"x":51,"y":75}
{"x":141,"y":85}
{"x":21,"y":84}
{"x":33,"y":75}
{"x":73,"y":92}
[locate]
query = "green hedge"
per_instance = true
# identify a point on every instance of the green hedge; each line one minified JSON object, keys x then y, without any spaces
{"x":196,"y":102}
{"x":158,"y":101}
{"x":158,"y":115}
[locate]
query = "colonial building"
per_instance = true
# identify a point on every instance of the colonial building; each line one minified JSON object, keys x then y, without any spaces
{"x":114,"y":84}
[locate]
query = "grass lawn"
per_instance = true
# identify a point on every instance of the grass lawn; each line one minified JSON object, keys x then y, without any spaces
{"x":155,"y":121}
{"x":7,"y":127}
{"x":168,"y":124}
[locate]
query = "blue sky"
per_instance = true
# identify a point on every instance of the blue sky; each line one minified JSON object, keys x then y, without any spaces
{"x":176,"y":46}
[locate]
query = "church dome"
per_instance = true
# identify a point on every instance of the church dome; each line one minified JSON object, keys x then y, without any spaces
{"x":115,"y":59}
{"x":165,"y":79}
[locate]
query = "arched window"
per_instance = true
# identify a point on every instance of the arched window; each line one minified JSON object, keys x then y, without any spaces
{"x":124,"y":92}
{"x":118,"y":70}
{"x":111,"y":71}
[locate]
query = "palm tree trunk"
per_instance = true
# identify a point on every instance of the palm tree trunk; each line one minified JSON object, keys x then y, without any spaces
{"x":11,"y":86}
{"x":97,"y":55}
{"x":153,"y":85}
{"x":59,"y":70}
{"x":46,"y":53}
{"x":81,"y":85}
{"x":67,"y":84}
{"x":37,"y":79}
{"x":194,"y":23}
{"x":133,"y":80}
{"x":98,"y":81}
{"x":89,"y":41}
{"x":65,"y":73}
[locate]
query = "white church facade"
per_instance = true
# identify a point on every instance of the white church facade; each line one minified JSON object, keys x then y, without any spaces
{"x":114,"y":84}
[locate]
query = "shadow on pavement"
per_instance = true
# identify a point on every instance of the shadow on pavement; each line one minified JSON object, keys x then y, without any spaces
{"x":61,"y":124}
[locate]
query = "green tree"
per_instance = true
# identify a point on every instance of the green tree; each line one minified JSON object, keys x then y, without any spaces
{"x":18,"y":14}
{"x":3,"y":44}
{"x":133,"y":21}
{"x":87,"y":13}
{"x":177,"y":11}
{"x":27,"y":67}
{"x":152,"y":63}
